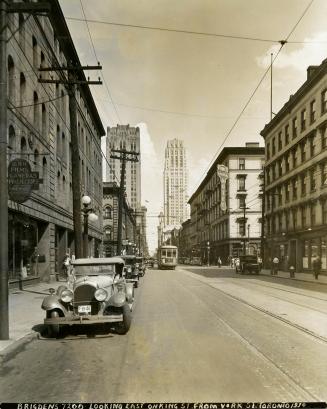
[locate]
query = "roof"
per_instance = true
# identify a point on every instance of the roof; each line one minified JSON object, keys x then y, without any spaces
{"x":97,"y":261}
{"x":128,"y":257}
{"x":228,"y":151}
{"x":167,"y":246}
{"x":315,"y":75}
{"x":59,"y":24}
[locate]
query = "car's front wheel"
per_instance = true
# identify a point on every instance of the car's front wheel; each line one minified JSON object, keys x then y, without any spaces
{"x":123,"y":327}
{"x":54,"y":330}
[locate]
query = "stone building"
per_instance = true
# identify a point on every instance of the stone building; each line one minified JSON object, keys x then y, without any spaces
{"x":110,"y":222}
{"x":41,"y":228}
{"x":296,"y":176}
{"x":226,"y":207}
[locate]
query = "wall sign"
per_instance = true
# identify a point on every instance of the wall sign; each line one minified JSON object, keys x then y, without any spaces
{"x":222,"y":172}
{"x":21,"y":180}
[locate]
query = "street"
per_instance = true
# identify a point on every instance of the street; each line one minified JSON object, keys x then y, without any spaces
{"x":198,"y":334}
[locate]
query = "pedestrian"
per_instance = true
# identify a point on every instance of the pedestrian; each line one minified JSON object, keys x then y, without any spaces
{"x":275,"y":265}
{"x":66,"y":265}
{"x":316,"y":265}
{"x":260,"y":263}
{"x":219,"y":262}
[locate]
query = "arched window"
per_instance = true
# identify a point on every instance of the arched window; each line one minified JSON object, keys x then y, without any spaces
{"x":36,"y":111}
{"x":11,"y":79}
{"x":11,"y":138}
{"x":45,"y":174}
{"x":63,"y":147}
{"x":21,"y":22}
{"x":35,"y":56}
{"x":44,"y":121}
{"x":36,"y":159}
{"x":23,"y":145}
{"x":58,"y":139}
{"x":108,"y":212}
{"x":107,"y":232}
{"x":22,"y":90}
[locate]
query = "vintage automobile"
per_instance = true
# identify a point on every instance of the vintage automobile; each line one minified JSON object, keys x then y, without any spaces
{"x":95,"y":293}
{"x":131,"y":271}
{"x":196,"y":261}
{"x":141,"y":265}
{"x":247,"y":264}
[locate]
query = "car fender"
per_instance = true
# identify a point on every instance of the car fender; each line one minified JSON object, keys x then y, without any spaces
{"x":118,"y":299}
{"x":130,"y":292}
{"x":51,"y":302}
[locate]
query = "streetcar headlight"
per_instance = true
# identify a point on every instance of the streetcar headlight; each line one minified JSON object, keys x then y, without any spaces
{"x":66,"y":295}
{"x":100,"y":294}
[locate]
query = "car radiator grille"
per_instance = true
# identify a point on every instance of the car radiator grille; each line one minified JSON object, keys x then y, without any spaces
{"x":84,"y":295}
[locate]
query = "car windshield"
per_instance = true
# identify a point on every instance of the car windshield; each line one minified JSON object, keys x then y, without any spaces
{"x":130,"y":262}
{"x":94,"y":270}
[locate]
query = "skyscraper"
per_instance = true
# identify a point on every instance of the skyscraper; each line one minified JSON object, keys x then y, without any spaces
{"x":175,"y":184}
{"x":127,"y":138}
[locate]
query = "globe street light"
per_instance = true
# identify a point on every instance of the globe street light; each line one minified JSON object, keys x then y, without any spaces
{"x":88,"y":215}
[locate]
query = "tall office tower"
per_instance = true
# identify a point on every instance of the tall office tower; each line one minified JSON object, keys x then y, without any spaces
{"x":125,"y":137}
{"x":175,"y":184}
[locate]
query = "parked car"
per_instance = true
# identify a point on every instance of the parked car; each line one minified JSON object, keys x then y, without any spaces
{"x":131,"y":271}
{"x":141,"y":265}
{"x":247,"y":264}
{"x":196,"y":261}
{"x":95,"y":293}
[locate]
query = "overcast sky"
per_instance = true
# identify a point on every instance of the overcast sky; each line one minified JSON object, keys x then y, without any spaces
{"x":191,"y":86}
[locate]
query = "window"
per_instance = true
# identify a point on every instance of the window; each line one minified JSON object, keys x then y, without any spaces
{"x":323,"y":134}
{"x":303,"y":217}
{"x":287,"y":163}
{"x":268,"y":151}
{"x":324,"y":101}
{"x":36,"y":111}
{"x":312,"y":180}
{"x":303,"y":119}
{"x":273,"y":147}
{"x":312,"y":146}
{"x":280,"y":167}
{"x":294,"y":189}
{"x":287,"y":135}
{"x":302,"y":147}
{"x":294,"y":158}
{"x":11,"y":79}
{"x":22,"y":90}
{"x":280,"y":144}
{"x":241,"y":202}
{"x":241,"y":228}
{"x":294,"y":127}
{"x":12,"y":138}
{"x":241,"y":183}
{"x":324,"y":174}
{"x":303,"y":185}
{"x":287,"y":192}
{"x":312,"y":111}
{"x":313,"y":214}
{"x":294,"y":218}
{"x":241,"y":163}
{"x":324,"y":212}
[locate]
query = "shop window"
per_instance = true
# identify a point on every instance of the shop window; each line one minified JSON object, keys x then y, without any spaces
{"x":305,"y":254}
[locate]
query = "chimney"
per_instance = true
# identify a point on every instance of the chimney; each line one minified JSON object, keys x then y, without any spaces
{"x":252,"y":144}
{"x":311,"y":70}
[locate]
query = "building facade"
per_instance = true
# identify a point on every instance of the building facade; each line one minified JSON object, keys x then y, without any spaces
{"x":110,"y":222}
{"x":296,"y":176}
{"x":125,"y":137}
{"x":175,"y":184}
{"x":41,"y":228}
{"x":226,"y":207}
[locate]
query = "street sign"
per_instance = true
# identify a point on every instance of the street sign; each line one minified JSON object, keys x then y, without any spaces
{"x":21,"y":180}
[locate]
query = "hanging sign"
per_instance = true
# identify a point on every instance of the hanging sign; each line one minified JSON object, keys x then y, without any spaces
{"x":21,"y":180}
{"x":222,"y":172}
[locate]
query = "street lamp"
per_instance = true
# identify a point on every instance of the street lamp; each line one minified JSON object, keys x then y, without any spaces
{"x":88,"y":215}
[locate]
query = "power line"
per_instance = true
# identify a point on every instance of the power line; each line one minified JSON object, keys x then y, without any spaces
{"x":96,"y":57}
{"x":172,"y":30}
{"x":282,"y":43}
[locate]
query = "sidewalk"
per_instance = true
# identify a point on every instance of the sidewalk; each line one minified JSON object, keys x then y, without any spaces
{"x":322,"y":279}
{"x":25,"y":315}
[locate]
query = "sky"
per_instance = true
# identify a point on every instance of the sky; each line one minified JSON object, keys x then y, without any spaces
{"x":191,"y":86}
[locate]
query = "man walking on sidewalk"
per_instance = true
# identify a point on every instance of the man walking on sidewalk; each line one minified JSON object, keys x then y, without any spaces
{"x":316,"y":265}
{"x":275,"y":265}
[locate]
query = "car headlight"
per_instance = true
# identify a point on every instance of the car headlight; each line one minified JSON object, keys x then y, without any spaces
{"x":129,"y":270}
{"x":100,"y":294}
{"x":66,"y":295}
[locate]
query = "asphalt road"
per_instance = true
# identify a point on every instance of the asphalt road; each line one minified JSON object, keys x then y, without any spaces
{"x":197,"y":335}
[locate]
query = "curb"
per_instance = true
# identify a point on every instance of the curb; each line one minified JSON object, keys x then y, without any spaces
{"x":16,"y":347}
{"x":293,"y":279}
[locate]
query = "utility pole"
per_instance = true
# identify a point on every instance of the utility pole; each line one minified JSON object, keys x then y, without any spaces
{"x":244,"y":238}
{"x":125,"y":156}
{"x":70,"y":81}
{"x":262,"y":252}
{"x":6,"y":8}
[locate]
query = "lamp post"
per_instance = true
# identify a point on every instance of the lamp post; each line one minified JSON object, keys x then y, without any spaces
{"x":208,"y":252}
{"x":88,"y":215}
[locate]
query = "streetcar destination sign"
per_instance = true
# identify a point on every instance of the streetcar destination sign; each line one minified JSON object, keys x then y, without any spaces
{"x":21,"y":180}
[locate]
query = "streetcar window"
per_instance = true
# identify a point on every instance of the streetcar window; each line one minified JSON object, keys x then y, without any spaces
{"x":163,"y":253}
{"x":174,"y":253}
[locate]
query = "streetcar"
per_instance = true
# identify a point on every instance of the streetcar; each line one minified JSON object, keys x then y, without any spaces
{"x":167,"y":257}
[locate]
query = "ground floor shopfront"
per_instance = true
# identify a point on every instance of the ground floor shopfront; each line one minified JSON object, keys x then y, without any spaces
{"x":226,"y":249}
{"x":37,"y":246}
{"x":298,"y":250}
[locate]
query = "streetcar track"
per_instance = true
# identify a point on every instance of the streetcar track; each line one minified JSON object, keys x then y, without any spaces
{"x":263,"y":310}
{"x":249,"y":343}
{"x":288,"y":301}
